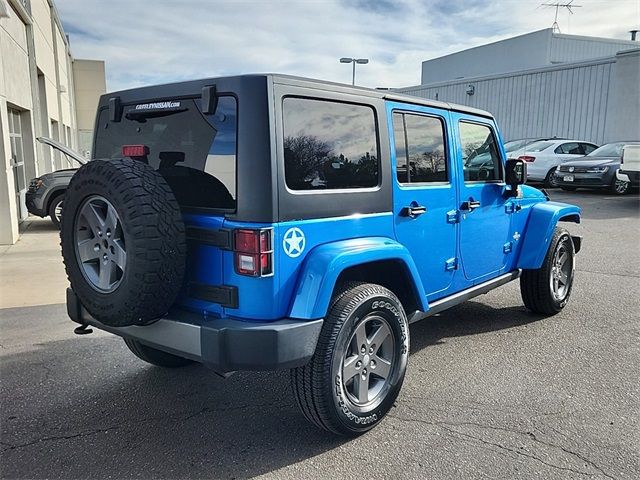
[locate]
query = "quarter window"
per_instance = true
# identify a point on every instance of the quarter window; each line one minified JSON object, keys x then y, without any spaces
{"x":329,"y":145}
{"x":420,"y":148}
{"x":480,"y":156}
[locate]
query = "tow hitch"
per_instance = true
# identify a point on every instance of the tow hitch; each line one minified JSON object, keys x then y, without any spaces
{"x":83,"y":329}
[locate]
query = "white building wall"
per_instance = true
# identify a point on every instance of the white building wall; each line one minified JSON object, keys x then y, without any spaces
{"x":89,"y":84}
{"x":36,"y":80}
{"x":575,"y":48}
{"x":517,"y":53}
{"x":623,"y":108}
{"x":595,"y":100}
{"x":532,"y":50}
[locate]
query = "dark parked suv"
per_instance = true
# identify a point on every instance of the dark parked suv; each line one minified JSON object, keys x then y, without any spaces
{"x":265,"y":221}
{"x":45,"y":196}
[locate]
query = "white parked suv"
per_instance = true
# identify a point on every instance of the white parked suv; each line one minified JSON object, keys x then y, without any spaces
{"x":630,"y":165}
{"x":545,"y":156}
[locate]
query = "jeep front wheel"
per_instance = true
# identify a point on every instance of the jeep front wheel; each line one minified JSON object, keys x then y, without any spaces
{"x":357,"y":370}
{"x":547,"y":289}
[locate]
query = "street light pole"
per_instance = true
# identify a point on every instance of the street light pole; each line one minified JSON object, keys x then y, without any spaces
{"x":353,"y":61}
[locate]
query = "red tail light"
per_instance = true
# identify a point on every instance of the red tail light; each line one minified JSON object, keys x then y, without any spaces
{"x":135,"y":150}
{"x":527,"y":158}
{"x":253,"y":252}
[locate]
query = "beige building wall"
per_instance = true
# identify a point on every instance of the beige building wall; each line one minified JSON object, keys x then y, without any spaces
{"x":89,"y":83}
{"x":37,"y":98}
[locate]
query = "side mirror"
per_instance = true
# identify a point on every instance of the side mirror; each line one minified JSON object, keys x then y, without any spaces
{"x":515,"y":174}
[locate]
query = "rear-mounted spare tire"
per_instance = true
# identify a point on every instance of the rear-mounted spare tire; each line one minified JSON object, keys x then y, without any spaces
{"x":123,"y":241}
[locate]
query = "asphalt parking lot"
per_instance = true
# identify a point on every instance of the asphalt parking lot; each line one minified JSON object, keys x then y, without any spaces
{"x":492,"y":391}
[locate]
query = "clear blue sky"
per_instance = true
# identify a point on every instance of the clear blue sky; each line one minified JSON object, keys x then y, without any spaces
{"x":157,"y":41}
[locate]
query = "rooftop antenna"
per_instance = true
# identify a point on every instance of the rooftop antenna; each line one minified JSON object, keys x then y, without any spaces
{"x":569,"y":6}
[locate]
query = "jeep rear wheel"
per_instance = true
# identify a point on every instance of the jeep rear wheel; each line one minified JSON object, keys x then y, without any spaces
{"x":123,"y":241}
{"x":546,"y":290}
{"x":357,"y":370}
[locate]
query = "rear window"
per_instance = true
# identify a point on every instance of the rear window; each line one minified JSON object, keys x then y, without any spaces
{"x":329,"y":145}
{"x":195,"y":153}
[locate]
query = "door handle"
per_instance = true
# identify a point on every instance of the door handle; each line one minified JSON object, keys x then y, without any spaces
{"x":470,"y":205}
{"x":413,"y":211}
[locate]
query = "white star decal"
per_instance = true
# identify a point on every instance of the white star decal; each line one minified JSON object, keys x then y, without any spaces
{"x":293,"y":242}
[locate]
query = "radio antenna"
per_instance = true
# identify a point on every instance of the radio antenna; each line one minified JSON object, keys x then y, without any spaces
{"x":569,"y":6}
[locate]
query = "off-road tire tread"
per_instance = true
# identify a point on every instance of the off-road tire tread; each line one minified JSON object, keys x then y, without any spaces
{"x":308,"y":387}
{"x":534,"y":283}
{"x":156,"y":241}
{"x":154,"y":356}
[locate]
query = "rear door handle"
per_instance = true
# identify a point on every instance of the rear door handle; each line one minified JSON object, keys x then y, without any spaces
{"x":470,"y":205}
{"x":413,"y":211}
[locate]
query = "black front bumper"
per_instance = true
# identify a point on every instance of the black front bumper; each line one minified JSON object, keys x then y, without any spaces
{"x":585,"y":180}
{"x":35,"y":204}
{"x":224,"y":345}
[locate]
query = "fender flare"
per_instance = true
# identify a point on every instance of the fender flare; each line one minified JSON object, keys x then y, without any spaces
{"x":54,"y":192}
{"x":541,"y":224}
{"x":326,"y":262}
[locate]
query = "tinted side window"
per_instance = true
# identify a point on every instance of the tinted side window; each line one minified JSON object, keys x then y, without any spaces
{"x":588,"y":148}
{"x":480,"y":156}
{"x":420,"y":149}
{"x":329,"y":145}
{"x":570,"y":149}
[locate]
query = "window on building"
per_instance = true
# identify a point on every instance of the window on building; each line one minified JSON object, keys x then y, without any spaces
{"x":17,"y":158}
{"x":329,"y":145}
{"x":420,"y":148}
{"x":480,"y":155}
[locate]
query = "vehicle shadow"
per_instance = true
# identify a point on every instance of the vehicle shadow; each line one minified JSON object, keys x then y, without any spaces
{"x":96,"y":411}
{"x":37,"y":225}
{"x":469,"y":318}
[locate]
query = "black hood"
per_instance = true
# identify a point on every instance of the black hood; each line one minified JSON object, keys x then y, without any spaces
{"x":592,"y":161}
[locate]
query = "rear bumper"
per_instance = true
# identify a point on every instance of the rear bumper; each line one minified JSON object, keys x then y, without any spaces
{"x":224,"y":345}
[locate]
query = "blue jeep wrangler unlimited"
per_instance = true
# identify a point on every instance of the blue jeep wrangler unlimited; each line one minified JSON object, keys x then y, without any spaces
{"x":264,"y":221}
